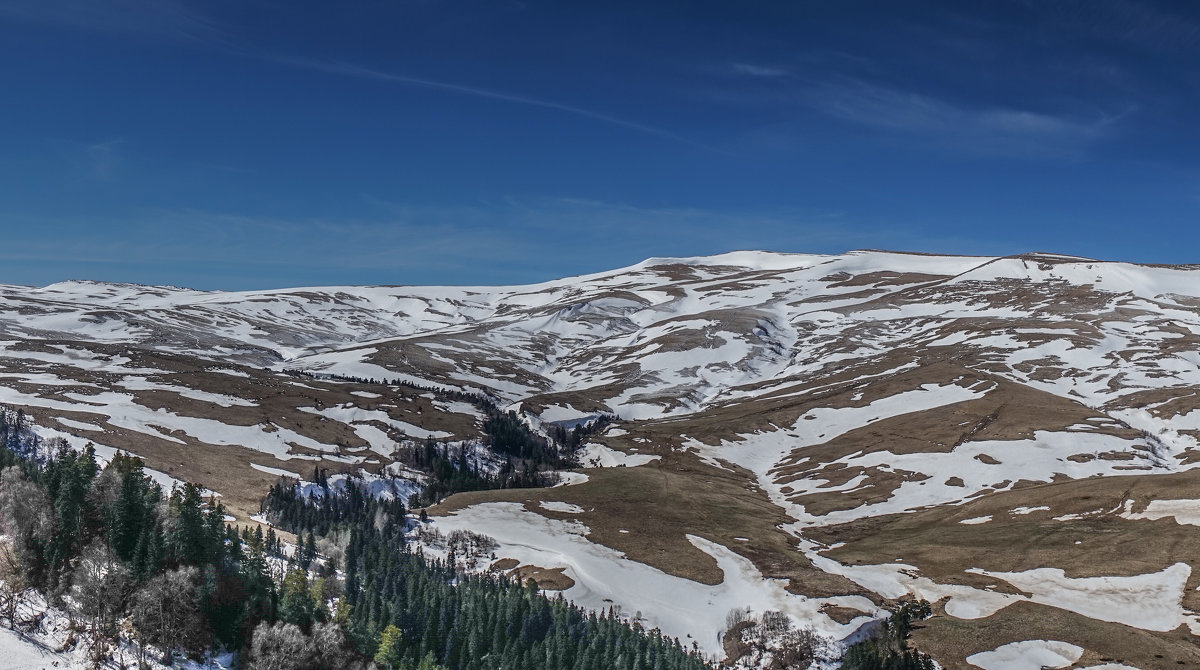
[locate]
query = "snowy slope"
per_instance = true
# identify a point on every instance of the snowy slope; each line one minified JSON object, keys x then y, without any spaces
{"x":840,"y":391}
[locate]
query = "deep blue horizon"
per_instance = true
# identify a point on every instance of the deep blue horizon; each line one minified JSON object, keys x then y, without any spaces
{"x":243,"y":145}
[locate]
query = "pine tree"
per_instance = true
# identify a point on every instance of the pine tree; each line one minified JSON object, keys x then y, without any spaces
{"x":296,"y":604}
{"x":389,"y":653}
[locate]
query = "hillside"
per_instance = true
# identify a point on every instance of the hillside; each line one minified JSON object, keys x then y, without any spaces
{"x":1013,"y":439}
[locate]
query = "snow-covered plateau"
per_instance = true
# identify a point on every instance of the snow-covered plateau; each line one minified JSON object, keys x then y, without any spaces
{"x":1014,"y":439}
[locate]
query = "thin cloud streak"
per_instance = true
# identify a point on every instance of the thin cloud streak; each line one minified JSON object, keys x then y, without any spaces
{"x":158,"y":19}
{"x":763,"y":71}
{"x":998,"y":130}
{"x":172,"y":19}
{"x":348,"y":70}
{"x":787,"y":96}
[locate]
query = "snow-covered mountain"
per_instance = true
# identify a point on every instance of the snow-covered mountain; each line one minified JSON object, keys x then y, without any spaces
{"x":1012,"y":437}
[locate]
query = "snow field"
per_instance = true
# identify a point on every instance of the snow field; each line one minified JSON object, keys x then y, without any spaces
{"x":1151,"y":601}
{"x":356,"y":417}
{"x":605,"y":577}
{"x":575,"y":335}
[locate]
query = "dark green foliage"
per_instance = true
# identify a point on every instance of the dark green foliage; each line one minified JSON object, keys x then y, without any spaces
{"x":571,"y":440}
{"x":508,"y":434}
{"x":20,"y":444}
{"x":288,"y":509}
{"x":528,"y":459}
{"x":425,"y":613}
{"x":129,"y":514}
{"x":190,"y":580}
{"x":147,"y":533}
{"x":888,"y":648}
{"x":296,"y":605}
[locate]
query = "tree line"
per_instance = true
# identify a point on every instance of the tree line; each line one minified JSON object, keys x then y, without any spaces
{"x":135,"y":567}
{"x":526,"y":458}
{"x":122,"y":549}
{"x":406,"y":610}
{"x":887,"y":648}
{"x":161,"y":573}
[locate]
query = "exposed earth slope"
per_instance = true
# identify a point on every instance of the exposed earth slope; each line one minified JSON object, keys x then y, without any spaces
{"x":1013,"y":438}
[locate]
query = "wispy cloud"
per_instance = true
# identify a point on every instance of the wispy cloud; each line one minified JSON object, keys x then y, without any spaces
{"x":164,"y":19}
{"x":90,"y":160}
{"x":978,"y":128}
{"x":359,"y":72}
{"x":786,"y":105}
{"x":763,"y":71}
{"x":175,"y":20}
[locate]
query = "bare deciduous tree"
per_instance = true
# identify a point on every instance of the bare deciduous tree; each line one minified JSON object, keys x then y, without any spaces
{"x":100,"y":585}
{"x":25,"y":516}
{"x":13,"y":587}
{"x":167,"y":612}
{"x":281,"y":647}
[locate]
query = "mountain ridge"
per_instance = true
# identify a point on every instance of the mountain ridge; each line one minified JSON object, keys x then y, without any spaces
{"x":794,"y":410}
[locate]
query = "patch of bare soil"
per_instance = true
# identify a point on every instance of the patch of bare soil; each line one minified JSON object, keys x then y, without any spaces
{"x":504,"y":565}
{"x":547,"y":579}
{"x":842,"y":615}
{"x":888,"y":278}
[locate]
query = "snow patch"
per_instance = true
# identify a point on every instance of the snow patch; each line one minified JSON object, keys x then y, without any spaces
{"x":1027,"y":655}
{"x":1152,"y":601}
{"x":976,"y":520}
{"x":596,"y":455}
{"x":1185,"y":512}
{"x":555,"y":506}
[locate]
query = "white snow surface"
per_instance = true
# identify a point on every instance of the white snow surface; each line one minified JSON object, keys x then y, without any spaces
{"x":1028,"y":655}
{"x":1152,"y":601}
{"x":596,"y":455}
{"x":604,"y":576}
{"x":896,"y":580}
{"x":594,"y":321}
{"x":1185,"y":512}
{"x":976,"y":520}
{"x":672,"y":337}
{"x":556,"y":506}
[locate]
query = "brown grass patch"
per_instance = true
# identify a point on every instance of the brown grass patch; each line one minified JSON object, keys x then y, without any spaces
{"x":660,"y":503}
{"x":951,"y":640}
{"x":547,"y":579}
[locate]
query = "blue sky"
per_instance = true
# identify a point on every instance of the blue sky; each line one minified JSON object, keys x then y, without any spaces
{"x":235,"y":144}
